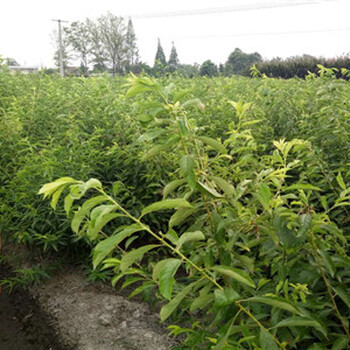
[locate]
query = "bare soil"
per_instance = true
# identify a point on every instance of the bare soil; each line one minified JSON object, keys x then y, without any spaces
{"x":68,"y":312}
{"x":23,"y":326}
{"x":91,"y":316}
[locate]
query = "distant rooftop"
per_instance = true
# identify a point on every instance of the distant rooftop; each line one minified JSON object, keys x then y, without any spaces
{"x":23,"y":68}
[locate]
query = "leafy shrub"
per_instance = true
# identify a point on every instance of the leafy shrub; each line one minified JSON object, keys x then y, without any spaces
{"x":256,"y":251}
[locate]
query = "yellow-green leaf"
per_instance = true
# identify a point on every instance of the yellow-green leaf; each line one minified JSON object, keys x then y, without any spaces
{"x":105,"y":247}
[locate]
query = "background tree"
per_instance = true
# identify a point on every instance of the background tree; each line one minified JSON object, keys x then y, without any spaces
{"x":132,"y":52}
{"x":188,"y":70}
{"x":209,"y":69}
{"x":113,"y":39}
{"x":239,"y":62}
{"x":11,"y":62}
{"x":78,"y":36}
{"x":97,"y":50}
{"x":173,"y":59}
{"x":160,"y":56}
{"x":106,"y":43}
{"x":160,"y":66}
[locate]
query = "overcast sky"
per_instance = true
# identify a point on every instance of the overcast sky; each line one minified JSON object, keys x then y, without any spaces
{"x":201,"y":29}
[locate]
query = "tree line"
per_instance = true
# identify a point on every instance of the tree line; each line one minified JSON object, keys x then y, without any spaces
{"x":109,"y":44}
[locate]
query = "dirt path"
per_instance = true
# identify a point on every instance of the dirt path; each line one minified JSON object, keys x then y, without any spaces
{"x":22,"y":325}
{"x":91,"y":316}
{"x":84,"y":315}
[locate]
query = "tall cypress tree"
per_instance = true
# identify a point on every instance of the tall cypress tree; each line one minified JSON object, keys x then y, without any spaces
{"x":160,"y":57}
{"x":132,"y":52}
{"x":173,"y":59}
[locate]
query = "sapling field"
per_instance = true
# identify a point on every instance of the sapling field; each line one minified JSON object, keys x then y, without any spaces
{"x":226,"y":199}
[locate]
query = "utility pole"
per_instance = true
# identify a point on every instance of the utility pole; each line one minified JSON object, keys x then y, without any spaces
{"x":60,"y":43}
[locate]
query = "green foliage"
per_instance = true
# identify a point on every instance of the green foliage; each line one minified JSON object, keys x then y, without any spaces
{"x":208,"y":69}
{"x":302,"y":66}
{"x":160,"y":56}
{"x":107,"y":42}
{"x":233,"y":213}
{"x":239,"y":62}
{"x":24,"y":278}
{"x":173,"y":62}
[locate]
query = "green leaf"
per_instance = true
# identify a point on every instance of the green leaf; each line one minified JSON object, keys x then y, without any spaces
{"x":201,"y":302}
{"x":234,"y":273}
{"x":169,"y":308}
{"x":327,"y":262}
{"x":171,"y":186}
{"x":225,"y":186}
{"x":324,"y":202}
{"x":193,"y":102}
{"x":94,"y":230}
{"x":188,"y":237}
{"x":140,"y":85}
{"x":84,"y":211}
{"x":92,"y":183}
{"x":275,"y":302}
{"x":208,"y":191}
{"x":266,"y":341}
{"x":106,"y":246}
{"x":225,"y":297}
{"x":48,"y":189}
{"x":141,"y":289}
{"x":180,"y":216}
{"x":341,"y":204}
{"x":341,"y":343}
{"x":129,"y":241}
{"x":166,"y":277}
{"x":56,"y":196}
{"x":154,"y":151}
{"x":297,"y":321}
{"x":129,"y":258}
{"x":79,"y":190}
{"x":187,"y":169}
{"x":166,"y":204}
{"x":157,"y":267}
{"x":340,"y":181}
{"x":264,"y":196}
{"x":302,"y":187}
{"x":150,"y":135}
{"x":305,"y":224}
{"x":215,"y":144}
{"x":222,"y":340}
{"x":343,"y":295}
{"x":100,"y":211}
{"x":68,"y":202}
